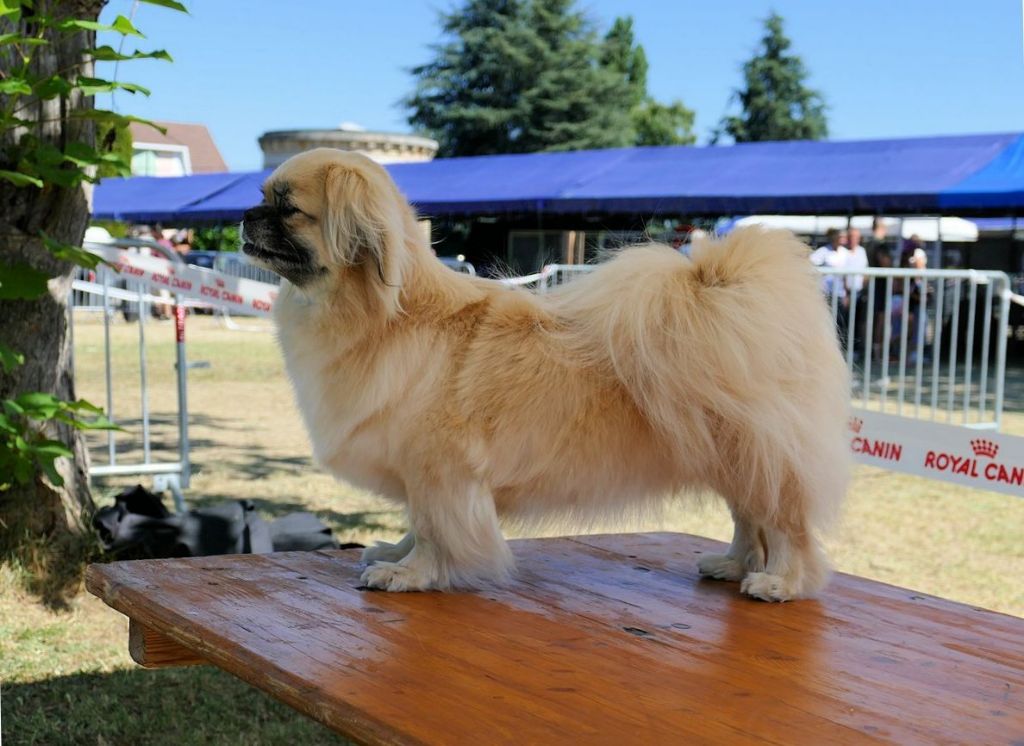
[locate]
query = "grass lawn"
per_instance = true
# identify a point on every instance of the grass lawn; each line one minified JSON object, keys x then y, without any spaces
{"x":65,"y":674}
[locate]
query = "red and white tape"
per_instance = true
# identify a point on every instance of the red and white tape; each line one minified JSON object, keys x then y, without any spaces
{"x":236,"y":294}
{"x":962,"y":455}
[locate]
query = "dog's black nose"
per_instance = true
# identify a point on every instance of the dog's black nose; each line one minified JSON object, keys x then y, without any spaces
{"x":253,"y":213}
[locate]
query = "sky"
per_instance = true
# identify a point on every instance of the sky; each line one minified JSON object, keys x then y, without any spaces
{"x":887,"y":68}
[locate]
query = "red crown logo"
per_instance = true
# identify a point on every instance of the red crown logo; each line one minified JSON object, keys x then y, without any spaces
{"x":220,"y":282}
{"x":855,"y":424}
{"x":984,"y":447}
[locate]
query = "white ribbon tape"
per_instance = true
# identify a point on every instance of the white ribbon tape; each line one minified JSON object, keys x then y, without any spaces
{"x":215,"y":288}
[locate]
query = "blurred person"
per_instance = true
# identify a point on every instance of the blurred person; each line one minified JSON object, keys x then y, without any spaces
{"x":907,"y":303}
{"x":881,"y":259}
{"x":834,"y":253}
{"x":156,"y":233}
{"x":857,"y":258}
{"x":183,"y":241}
{"x":919,"y":306}
{"x":879,"y":240}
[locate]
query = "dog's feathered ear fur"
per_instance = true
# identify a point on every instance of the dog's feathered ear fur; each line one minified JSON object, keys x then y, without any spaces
{"x":364,"y":227}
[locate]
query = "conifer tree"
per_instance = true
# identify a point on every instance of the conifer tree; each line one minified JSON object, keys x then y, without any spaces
{"x":516,"y":76}
{"x":653,"y":123}
{"x":775,"y":101}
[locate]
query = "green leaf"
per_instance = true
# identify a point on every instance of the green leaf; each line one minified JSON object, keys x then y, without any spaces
{"x":107,"y":53}
{"x":121,"y":25}
{"x":92,"y":86}
{"x":22,"y":470}
{"x":52,"y":87}
{"x":102,"y":115}
{"x":45,"y":462}
{"x":19,"y":179}
{"x":11,"y":10}
{"x":76,"y":254}
{"x":6,"y":426}
{"x":52,"y":448}
{"x":10,"y":86}
{"x":47,"y":154}
{"x":20,"y":281}
{"x":97,"y":423}
{"x":13,"y":407}
{"x":28,"y":41}
{"x":172,"y":4}
{"x":61,"y":177}
{"x":82,"y":405}
{"x":39,"y":405}
{"x":10,"y":359}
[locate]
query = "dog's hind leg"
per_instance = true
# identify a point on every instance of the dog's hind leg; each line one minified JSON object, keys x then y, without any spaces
{"x":457,"y":541}
{"x":745,"y":554}
{"x":795,"y":568}
{"x":794,"y":564}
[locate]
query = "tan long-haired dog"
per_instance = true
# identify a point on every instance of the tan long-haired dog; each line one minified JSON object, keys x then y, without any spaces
{"x":471,"y":402}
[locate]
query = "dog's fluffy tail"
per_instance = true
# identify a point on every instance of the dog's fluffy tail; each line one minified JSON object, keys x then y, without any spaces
{"x":733,"y":357}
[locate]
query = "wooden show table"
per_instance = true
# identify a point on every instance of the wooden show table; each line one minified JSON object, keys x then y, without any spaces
{"x":599,"y":639}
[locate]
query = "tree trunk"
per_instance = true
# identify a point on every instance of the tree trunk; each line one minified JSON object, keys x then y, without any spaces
{"x":42,"y":514}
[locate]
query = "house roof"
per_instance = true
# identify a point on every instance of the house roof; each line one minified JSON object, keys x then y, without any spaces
{"x":202,"y":151}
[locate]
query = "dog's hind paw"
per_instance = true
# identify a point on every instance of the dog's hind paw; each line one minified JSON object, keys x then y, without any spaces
{"x":721,"y":567}
{"x":768,"y":587}
{"x":392,"y":576}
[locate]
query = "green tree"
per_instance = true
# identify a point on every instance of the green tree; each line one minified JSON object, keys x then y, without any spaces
{"x":469,"y":96}
{"x":50,"y":154}
{"x":653,"y":123}
{"x":574,"y":102}
{"x":516,"y":76}
{"x":775,"y":101}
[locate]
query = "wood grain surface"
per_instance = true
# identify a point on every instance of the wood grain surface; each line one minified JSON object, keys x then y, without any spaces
{"x":153,"y":650}
{"x":600,"y":639}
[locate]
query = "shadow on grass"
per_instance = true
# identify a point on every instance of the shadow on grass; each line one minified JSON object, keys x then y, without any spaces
{"x":367,"y":520}
{"x":200,"y":705}
{"x":258,"y":466}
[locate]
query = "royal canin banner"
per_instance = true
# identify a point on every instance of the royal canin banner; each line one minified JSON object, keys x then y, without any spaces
{"x":233,"y":293}
{"x":962,"y":455}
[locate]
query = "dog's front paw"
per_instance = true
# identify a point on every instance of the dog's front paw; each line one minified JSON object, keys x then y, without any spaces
{"x":768,"y":587}
{"x":721,"y":567}
{"x":391,"y":576}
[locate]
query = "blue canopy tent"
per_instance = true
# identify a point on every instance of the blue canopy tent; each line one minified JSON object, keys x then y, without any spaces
{"x":968,"y":175}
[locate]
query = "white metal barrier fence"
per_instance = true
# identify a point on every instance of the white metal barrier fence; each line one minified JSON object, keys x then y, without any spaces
{"x":928,"y":344}
{"x":104,"y":296}
{"x":145,"y":281}
{"x":924,"y":343}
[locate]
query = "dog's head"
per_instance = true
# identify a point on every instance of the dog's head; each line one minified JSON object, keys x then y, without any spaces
{"x":328,"y":213}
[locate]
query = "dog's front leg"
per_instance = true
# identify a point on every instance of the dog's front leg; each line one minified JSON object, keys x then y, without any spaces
{"x":456,"y":539}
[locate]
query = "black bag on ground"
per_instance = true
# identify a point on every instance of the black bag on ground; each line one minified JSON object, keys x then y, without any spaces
{"x":138,"y":524}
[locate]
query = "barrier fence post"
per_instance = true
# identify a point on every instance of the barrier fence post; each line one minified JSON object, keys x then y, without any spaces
{"x":182,"y":368}
{"x":111,"y":447}
{"x":143,"y":312}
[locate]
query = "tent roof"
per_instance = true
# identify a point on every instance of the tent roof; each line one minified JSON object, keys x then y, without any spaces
{"x":968,"y":175}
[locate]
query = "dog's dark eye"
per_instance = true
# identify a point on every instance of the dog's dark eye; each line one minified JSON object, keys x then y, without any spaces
{"x":286,"y":211}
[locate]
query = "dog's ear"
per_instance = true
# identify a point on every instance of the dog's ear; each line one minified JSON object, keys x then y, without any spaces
{"x":364,"y":227}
